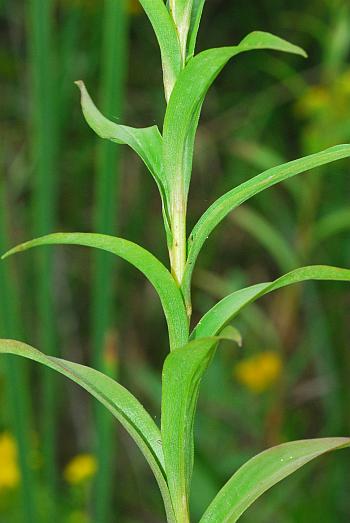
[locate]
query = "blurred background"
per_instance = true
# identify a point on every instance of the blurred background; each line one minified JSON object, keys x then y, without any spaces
{"x":61,"y":458}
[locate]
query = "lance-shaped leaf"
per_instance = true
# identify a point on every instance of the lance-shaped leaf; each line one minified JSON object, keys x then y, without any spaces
{"x":232,"y":199}
{"x":144,"y":261}
{"x":182,"y":374}
{"x":226,"y":309}
{"x":188,"y":95}
{"x":181,"y":11}
{"x":262,"y":472}
{"x":197,"y":10}
{"x":166,"y":33}
{"x":117,"y":399}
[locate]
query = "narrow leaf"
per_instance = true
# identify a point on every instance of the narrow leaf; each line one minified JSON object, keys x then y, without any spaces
{"x":182,"y":374}
{"x":228,"y":308}
{"x":181,"y":11}
{"x":165,"y":31}
{"x":146,"y":142}
{"x":188,"y":95}
{"x":262,"y":472}
{"x":144,"y":261}
{"x":197,"y":11}
{"x":118,"y":400}
{"x":232,"y":199}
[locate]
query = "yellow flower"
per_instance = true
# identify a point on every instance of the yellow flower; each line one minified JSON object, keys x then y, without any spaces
{"x":80,"y":469}
{"x":9,"y":470}
{"x":316,"y":98}
{"x":259,"y":372}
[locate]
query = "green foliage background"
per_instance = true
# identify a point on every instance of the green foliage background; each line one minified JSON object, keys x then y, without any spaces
{"x":56,"y":175}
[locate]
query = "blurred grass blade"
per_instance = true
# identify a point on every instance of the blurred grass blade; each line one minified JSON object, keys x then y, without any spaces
{"x":118,"y":400}
{"x":44,"y":151}
{"x":226,"y":309}
{"x":188,"y":95}
{"x":182,"y":374}
{"x":268,"y":236}
{"x":197,"y":11}
{"x":103,"y":317}
{"x":144,"y":261}
{"x":165,"y":31}
{"x":333,"y":223}
{"x":232,"y":199}
{"x":15,"y":379}
{"x":262,"y":472}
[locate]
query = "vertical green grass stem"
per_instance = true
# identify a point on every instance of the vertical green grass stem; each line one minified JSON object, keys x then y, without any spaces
{"x":114,"y":54}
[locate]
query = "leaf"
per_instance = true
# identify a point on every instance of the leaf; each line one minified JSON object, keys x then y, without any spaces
{"x":226,"y":309}
{"x":165,"y":31}
{"x":146,"y":142}
{"x":197,"y":11}
{"x":333,"y":223}
{"x":144,"y":261}
{"x":182,"y":374}
{"x":262,"y":472}
{"x":232,"y":199}
{"x":188,"y":95}
{"x":181,"y":11}
{"x":118,"y":400}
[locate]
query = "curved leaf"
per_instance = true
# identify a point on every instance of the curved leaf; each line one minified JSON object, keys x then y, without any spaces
{"x":331,"y":224}
{"x":232,"y":199}
{"x":181,"y":11}
{"x":165,"y":31}
{"x":226,"y":309}
{"x":262,"y":472}
{"x":188,"y":95}
{"x":144,"y":261}
{"x":182,"y":374}
{"x":146,"y":142}
{"x":118,"y":400}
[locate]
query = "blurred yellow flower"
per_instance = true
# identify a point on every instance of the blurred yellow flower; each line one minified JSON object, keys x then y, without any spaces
{"x":80,"y":469}
{"x":259,"y":372}
{"x":9,"y":470}
{"x":315,"y":99}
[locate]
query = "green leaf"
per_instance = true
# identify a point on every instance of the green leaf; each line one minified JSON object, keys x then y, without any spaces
{"x":144,"y":261}
{"x":181,"y":11}
{"x":118,"y":400}
{"x":333,"y":223}
{"x":166,"y":33}
{"x":188,"y":95}
{"x":197,"y":11}
{"x":182,"y":374}
{"x":232,"y":199}
{"x":226,"y":309}
{"x":262,"y":472}
{"x":146,"y":142}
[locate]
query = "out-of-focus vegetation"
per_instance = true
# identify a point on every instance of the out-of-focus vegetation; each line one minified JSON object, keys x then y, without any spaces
{"x":291,"y":378}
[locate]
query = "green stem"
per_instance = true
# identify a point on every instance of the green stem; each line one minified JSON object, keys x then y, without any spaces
{"x":178,"y":225}
{"x":113,"y":81}
{"x":16,"y":378}
{"x":44,"y":155}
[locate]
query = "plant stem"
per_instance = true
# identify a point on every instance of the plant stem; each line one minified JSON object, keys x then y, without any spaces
{"x":178,"y":227}
{"x":113,"y":80}
{"x":44,"y":155}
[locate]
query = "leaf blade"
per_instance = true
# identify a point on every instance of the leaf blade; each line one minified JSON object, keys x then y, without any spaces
{"x":262,"y":472}
{"x":182,"y":374}
{"x":168,"y":41}
{"x":117,"y":399}
{"x":226,"y":309}
{"x":232,"y":199}
{"x":143,"y":260}
{"x":197,"y":10}
{"x":190,"y":90}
